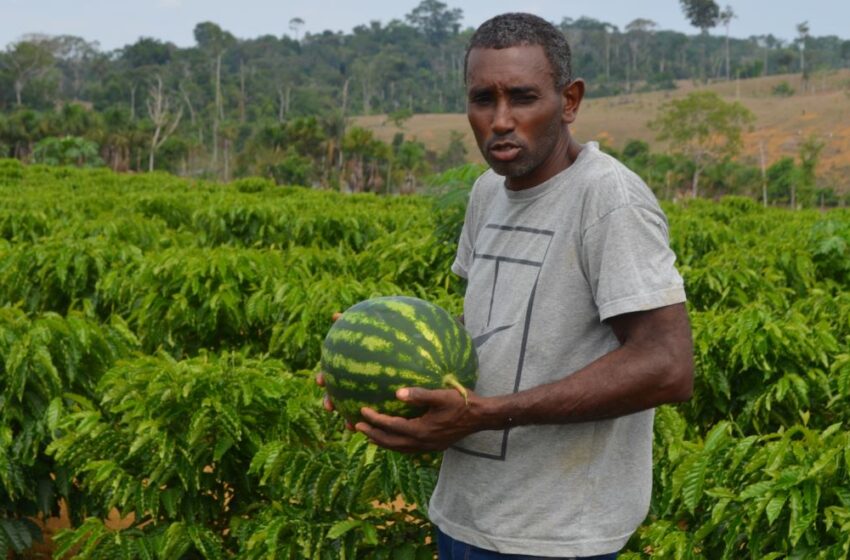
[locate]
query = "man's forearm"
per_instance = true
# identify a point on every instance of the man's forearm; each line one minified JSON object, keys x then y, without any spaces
{"x":653,"y":366}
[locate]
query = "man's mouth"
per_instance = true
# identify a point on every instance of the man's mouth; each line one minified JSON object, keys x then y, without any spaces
{"x":504,"y":151}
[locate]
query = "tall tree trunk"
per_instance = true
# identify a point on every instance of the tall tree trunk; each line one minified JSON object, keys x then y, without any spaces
{"x":217,"y":113}
{"x":226,"y":160}
{"x":342,"y":124}
{"x":242,"y":100}
{"x":133,"y":102}
{"x":367,"y":109}
{"x":153,"y":150}
{"x":766,"y":52}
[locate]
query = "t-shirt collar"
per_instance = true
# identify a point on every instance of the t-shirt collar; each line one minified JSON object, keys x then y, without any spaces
{"x":552,"y":182}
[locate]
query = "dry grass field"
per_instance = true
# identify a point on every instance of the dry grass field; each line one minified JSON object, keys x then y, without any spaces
{"x":821,"y":107}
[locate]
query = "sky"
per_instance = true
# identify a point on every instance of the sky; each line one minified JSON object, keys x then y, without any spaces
{"x":116,"y":23}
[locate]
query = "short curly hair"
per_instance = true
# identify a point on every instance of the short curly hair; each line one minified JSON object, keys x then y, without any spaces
{"x":516,"y":29}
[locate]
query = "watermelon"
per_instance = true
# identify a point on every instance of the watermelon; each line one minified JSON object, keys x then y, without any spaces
{"x":383,"y":344}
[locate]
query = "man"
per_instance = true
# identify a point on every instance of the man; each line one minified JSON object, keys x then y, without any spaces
{"x":578,"y":316}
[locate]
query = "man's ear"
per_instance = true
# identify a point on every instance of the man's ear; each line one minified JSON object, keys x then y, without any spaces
{"x":572,"y":94}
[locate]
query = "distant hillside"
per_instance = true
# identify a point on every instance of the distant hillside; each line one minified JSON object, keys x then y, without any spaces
{"x":823,"y":108}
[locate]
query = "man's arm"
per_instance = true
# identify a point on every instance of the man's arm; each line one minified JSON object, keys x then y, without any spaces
{"x":652,"y":366}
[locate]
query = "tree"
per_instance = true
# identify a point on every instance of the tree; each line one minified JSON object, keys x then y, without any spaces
{"x":702,"y":14}
{"x":809,"y":152}
{"x":21,"y":130}
{"x":802,"y":38}
{"x":28,"y":60}
{"x":410,"y":157}
{"x":164,"y":122}
{"x":68,"y":150}
{"x":726,"y":17}
{"x":637,"y":30}
{"x":74,"y":56}
{"x":608,"y":29}
{"x":766,"y":43}
{"x":435,"y":20}
{"x":139,"y":61}
{"x":703,"y":128}
{"x":215,"y":41}
{"x":781,"y":177}
{"x":295,"y":25}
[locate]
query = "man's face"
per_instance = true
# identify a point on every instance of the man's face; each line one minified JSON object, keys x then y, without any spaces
{"x":516,"y":113}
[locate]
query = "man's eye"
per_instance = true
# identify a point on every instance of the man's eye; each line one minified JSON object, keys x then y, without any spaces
{"x":481,"y":99}
{"x":524,"y":99}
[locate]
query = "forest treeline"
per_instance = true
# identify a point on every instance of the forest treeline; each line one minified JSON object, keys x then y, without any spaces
{"x":278,"y":106}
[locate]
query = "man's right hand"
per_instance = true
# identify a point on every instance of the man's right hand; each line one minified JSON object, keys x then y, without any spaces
{"x":326,"y":401}
{"x":320,"y":381}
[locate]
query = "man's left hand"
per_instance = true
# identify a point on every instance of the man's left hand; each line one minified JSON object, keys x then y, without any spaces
{"x":448,"y":419}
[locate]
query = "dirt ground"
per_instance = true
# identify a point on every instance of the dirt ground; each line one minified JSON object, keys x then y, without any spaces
{"x":820,"y":107}
{"x":52,"y":525}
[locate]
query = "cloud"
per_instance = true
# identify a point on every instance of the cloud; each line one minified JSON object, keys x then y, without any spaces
{"x":169,"y":3}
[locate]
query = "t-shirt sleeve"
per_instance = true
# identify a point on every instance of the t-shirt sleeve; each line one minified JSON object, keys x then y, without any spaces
{"x":629,"y":263}
{"x":465,"y":244}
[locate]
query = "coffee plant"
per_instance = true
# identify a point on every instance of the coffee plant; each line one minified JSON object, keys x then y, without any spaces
{"x":159,"y":338}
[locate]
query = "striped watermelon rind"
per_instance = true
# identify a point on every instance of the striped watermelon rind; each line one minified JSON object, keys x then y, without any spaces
{"x":383,"y":344}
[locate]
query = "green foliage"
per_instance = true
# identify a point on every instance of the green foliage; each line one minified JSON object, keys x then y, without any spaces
{"x":703,"y":128}
{"x":782,"y":89}
{"x":252,"y":184}
{"x":172,"y":443}
{"x":292,"y":169}
{"x":68,"y":150}
{"x":44,"y":361}
{"x":11,"y":171}
{"x":703,"y":14}
{"x":451,"y":190}
{"x":736,"y":496}
{"x":158,"y":339}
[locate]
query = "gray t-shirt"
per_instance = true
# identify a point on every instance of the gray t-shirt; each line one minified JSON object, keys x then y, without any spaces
{"x":545,"y":267}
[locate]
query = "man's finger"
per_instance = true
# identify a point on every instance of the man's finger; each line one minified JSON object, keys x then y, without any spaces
{"x":320,"y":379}
{"x":327,"y":404}
{"x":428,"y":397}
{"x":390,"y":423}
{"x":385,"y":439}
{"x":336,"y":315}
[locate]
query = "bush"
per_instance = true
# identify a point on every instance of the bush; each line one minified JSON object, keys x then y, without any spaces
{"x":68,"y":150}
{"x":783,"y":89}
{"x":253,"y":184}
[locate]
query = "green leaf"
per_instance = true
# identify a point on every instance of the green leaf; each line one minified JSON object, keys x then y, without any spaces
{"x":342,"y":527}
{"x":370,"y":534}
{"x":774,"y":507}
{"x":222,"y":445}
{"x":54,"y":413}
{"x":694,"y":481}
{"x":18,"y":534}
{"x":756,"y":490}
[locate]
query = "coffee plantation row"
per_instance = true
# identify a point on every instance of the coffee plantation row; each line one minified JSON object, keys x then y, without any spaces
{"x":159,"y":339}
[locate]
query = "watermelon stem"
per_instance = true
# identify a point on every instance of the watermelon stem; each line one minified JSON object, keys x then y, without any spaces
{"x":451,"y":381}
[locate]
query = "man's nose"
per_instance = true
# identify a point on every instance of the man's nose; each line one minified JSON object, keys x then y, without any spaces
{"x":503,"y":119}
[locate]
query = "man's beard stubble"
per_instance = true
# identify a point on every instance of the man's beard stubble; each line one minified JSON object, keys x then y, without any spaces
{"x":528,"y":160}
